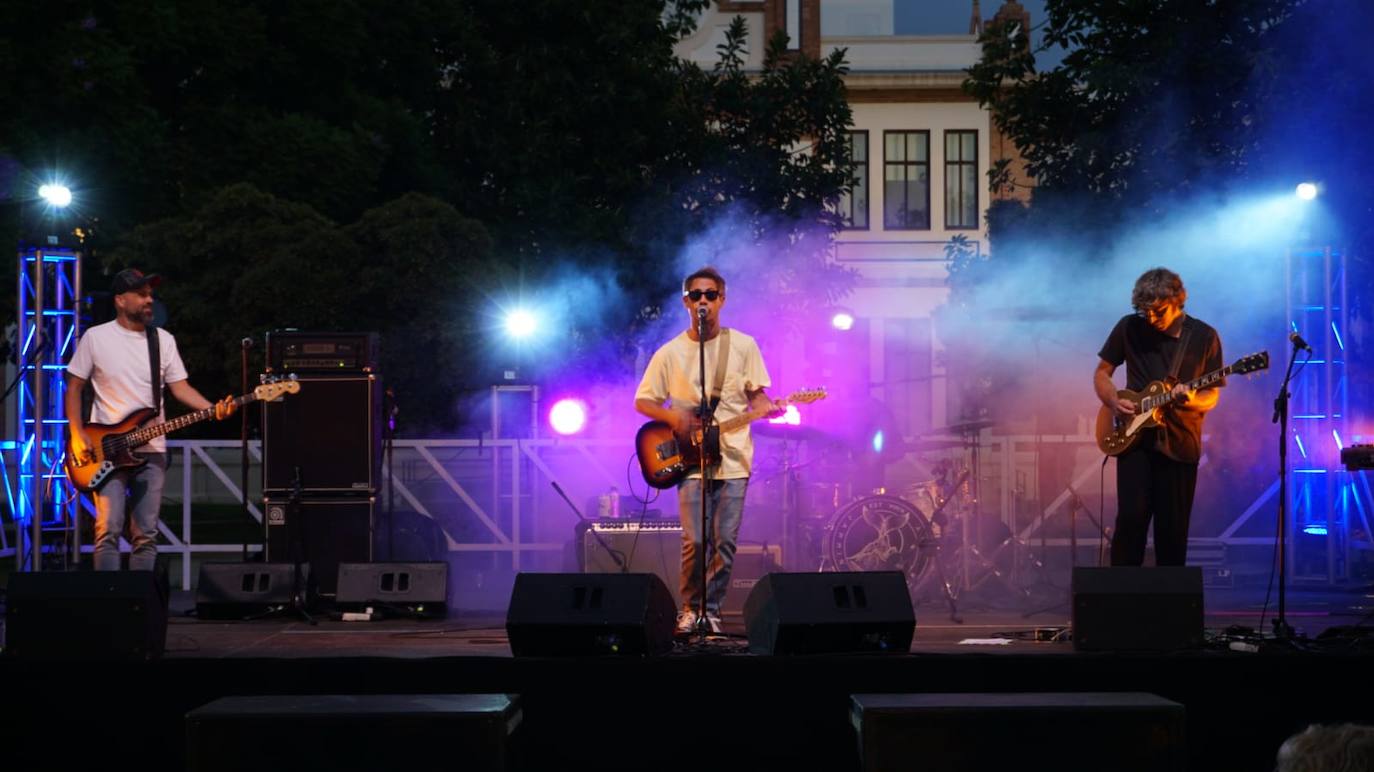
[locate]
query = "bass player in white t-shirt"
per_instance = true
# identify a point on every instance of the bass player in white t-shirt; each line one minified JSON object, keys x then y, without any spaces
{"x":114,"y":358}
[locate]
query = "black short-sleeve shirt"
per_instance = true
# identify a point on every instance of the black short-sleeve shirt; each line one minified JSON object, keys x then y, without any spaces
{"x":1148,"y":355}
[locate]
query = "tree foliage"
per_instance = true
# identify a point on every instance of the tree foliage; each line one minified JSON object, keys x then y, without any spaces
{"x":248,"y":262}
{"x":358,"y":164}
{"x":1166,"y":100}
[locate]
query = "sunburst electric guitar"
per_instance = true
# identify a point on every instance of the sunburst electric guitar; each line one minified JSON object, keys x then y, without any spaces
{"x":665,"y":461}
{"x":1117,"y":434}
{"x":112,"y":445}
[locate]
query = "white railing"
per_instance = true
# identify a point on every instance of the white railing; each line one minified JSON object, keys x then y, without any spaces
{"x":495,"y":496}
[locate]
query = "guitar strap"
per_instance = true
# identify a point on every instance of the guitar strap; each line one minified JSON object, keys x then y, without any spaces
{"x":155,"y":362}
{"x":1178,"y":353}
{"x":722,"y":357}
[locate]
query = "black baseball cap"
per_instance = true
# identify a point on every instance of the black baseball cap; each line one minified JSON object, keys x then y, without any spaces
{"x":131,"y":279}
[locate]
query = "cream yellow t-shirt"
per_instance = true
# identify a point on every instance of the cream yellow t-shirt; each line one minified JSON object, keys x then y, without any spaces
{"x":674,"y":374}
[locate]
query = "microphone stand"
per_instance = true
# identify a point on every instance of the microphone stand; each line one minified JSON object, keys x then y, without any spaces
{"x":704,"y":413}
{"x":244,"y":345}
{"x":1282,"y":630}
{"x":388,"y":449}
{"x":616,"y":555}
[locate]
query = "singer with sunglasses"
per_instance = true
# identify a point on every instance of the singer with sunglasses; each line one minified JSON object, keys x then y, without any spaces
{"x":1155,"y":480}
{"x":670,"y":391}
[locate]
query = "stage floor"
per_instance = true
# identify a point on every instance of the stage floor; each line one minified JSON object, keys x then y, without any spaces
{"x":482,"y":634}
{"x":635,"y":713}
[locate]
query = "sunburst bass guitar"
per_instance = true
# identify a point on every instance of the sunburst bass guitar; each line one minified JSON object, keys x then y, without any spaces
{"x":665,"y":461}
{"x":112,"y":445}
{"x":1117,"y":434}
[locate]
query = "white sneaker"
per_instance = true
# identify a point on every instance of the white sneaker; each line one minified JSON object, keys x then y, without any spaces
{"x":686,"y":622}
{"x":713,"y":621}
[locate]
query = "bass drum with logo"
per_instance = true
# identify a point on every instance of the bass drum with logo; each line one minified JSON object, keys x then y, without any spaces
{"x":879,"y":533}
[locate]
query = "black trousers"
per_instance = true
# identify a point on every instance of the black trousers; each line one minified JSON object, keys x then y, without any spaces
{"x":1152,"y":486}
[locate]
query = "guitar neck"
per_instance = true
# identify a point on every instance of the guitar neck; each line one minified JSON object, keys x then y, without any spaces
{"x":1207,"y":379}
{"x":731,"y":424}
{"x":149,"y":433}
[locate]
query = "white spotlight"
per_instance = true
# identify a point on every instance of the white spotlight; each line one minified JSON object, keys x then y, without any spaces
{"x":56,"y":195}
{"x":1307,"y":191}
{"x":520,"y":323}
{"x":842,"y":320}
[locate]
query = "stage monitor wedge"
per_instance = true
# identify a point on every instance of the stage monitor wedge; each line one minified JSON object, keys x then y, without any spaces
{"x":401,"y":589}
{"x":818,"y":613}
{"x":1134,"y":608}
{"x":86,"y":615}
{"x":569,"y":615}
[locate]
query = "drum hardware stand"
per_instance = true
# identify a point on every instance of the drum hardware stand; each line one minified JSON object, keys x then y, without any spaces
{"x":1075,"y":504}
{"x":938,"y":573}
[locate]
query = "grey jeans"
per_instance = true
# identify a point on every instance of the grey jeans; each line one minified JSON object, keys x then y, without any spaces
{"x":725,"y":504}
{"x":139,"y":492}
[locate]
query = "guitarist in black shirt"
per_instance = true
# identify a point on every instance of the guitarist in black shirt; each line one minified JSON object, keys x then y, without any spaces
{"x":1156,"y":478}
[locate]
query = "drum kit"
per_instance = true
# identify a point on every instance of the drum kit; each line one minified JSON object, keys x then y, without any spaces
{"x":932,"y":531}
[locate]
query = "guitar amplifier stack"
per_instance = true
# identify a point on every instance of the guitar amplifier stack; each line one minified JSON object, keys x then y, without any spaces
{"x":321,"y":452}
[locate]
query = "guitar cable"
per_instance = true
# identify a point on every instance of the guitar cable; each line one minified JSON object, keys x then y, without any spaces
{"x":648,"y":499}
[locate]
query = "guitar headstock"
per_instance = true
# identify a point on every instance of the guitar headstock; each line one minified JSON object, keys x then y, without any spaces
{"x":1251,"y":363}
{"x":276,"y":387}
{"x":806,"y":396}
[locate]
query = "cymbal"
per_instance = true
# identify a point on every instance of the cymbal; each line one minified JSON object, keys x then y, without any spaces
{"x":933,"y":444}
{"x":966,"y":427}
{"x":787,"y":431}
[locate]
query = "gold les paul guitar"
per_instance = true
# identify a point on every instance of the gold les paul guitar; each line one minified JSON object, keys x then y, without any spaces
{"x":112,"y":445}
{"x":1117,"y":434}
{"x":665,"y":461}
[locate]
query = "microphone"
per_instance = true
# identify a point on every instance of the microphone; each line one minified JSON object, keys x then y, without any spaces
{"x":246,"y":343}
{"x":1299,"y":343}
{"x":701,"y":313}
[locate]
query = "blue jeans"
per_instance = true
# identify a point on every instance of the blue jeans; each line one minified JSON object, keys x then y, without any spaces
{"x":725,"y":505}
{"x":140,"y":492}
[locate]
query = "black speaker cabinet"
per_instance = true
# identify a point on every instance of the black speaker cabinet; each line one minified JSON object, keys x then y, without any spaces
{"x":105,"y":615}
{"x":411,"y":589}
{"x":645,"y":548}
{"x":323,"y":532}
{"x":1125,"y":608}
{"x":292,"y":733}
{"x":240,"y":590}
{"x":814,"y":613}
{"x":1071,"y":731}
{"x":565,"y":615}
{"x":331,"y":431}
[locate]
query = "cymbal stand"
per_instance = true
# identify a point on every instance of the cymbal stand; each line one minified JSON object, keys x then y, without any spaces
{"x":936,"y":572}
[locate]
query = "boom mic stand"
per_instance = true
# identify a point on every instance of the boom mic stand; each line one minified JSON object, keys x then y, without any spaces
{"x":1282,"y":630}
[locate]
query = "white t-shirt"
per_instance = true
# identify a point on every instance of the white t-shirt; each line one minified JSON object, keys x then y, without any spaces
{"x":115,"y":360}
{"x":674,"y":373}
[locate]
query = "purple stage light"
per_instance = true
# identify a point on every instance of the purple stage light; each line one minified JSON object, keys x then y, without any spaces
{"x":790,"y":417}
{"x":568,"y":416}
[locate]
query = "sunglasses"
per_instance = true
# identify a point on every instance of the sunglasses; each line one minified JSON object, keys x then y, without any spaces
{"x":1154,"y":312}
{"x":697,"y":294}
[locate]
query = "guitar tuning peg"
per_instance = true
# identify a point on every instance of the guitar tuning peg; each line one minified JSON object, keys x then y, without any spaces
{"x":292,"y":376}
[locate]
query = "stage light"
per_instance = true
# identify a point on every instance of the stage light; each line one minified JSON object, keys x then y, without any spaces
{"x":521,"y":323}
{"x":791,"y":417}
{"x":1307,"y":191}
{"x":58,"y":196}
{"x":878,"y":441}
{"x":842,"y":320}
{"x":568,"y":416}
